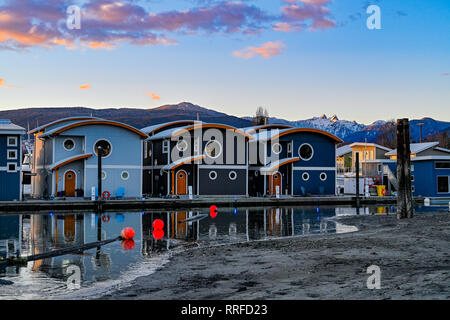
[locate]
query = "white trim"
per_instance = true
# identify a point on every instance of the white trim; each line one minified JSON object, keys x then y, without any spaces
{"x":21,"y":181}
{"x":277,"y":144}
{"x":320,"y":176}
{"x":430,"y":158}
{"x":223,"y":166}
{"x":64,"y":144}
{"x":95,"y":151}
{"x":11,"y":150}
{"x":182,"y":149}
{"x":121,"y":175}
{"x":437,"y":184}
{"x":218,"y":154}
{"x":307,"y":175}
{"x":312,"y":149}
{"x":165,"y":146}
{"x":114,"y":166}
{"x":15,"y":166}
{"x":315,"y":168}
{"x":106,"y":175}
{"x":64,"y":180}
{"x":435,"y":168}
{"x":235,"y":175}
{"x":11,"y":145}
{"x":209,"y":174}
{"x":176,"y":181}
{"x":281,"y":182}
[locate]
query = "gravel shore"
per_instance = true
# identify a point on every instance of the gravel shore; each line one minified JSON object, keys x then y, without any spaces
{"x":414,"y":257}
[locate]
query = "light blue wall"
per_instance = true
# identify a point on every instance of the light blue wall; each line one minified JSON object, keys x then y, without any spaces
{"x":61,"y":153}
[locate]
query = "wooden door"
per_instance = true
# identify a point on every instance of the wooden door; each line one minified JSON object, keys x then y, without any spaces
{"x":69,"y":228}
{"x":69,"y":184}
{"x":181,"y":182}
{"x":276,"y":181}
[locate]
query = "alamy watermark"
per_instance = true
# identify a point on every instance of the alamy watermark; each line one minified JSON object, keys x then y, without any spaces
{"x":73,"y":20}
{"x":74,"y":280}
{"x":374,"y":20}
{"x":374,"y":280}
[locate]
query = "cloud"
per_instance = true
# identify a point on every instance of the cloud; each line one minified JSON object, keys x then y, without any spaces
{"x":154,"y":96}
{"x":85,"y":86}
{"x":4,"y":85}
{"x":446,"y":74}
{"x":299,"y":15}
{"x":106,"y":24}
{"x":267,"y":50}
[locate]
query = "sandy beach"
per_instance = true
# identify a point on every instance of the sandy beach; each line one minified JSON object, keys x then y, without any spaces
{"x":413,"y":255}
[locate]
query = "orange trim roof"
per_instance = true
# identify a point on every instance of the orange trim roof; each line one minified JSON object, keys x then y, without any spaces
{"x":294,"y":130}
{"x":276,"y":165}
{"x":108,"y":122}
{"x":168,"y":124}
{"x":59,"y":121}
{"x":67,"y":161}
{"x":214,"y":125}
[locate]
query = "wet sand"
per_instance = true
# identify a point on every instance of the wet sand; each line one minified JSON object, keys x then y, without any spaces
{"x":414,"y":257}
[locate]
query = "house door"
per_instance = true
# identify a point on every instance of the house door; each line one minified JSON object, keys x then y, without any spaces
{"x":276,"y":181}
{"x":69,"y":184}
{"x":181,"y":182}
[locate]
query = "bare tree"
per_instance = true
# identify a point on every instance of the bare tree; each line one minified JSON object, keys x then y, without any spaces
{"x":388,"y":135}
{"x":261,"y":117}
{"x":441,"y":137}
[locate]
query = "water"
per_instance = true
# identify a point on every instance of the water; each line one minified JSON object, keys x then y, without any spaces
{"x":116,"y":264}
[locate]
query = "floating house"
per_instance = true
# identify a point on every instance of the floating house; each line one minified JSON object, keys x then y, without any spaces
{"x":10,"y":161}
{"x":65,"y":158}
{"x":430,"y":170}
{"x":294,"y":161}
{"x":193,"y":158}
{"x":346,"y":155}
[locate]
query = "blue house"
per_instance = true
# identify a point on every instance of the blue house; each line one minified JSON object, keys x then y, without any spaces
{"x":65,"y":158}
{"x":430,"y":170}
{"x":10,"y":161}
{"x":209,"y":159}
{"x":295,"y":161}
{"x":10,"y":235}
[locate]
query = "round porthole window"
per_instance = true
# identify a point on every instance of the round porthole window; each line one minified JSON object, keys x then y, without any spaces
{"x":305,"y":176}
{"x":124,"y":175}
{"x":276,"y":148}
{"x":182,"y":145}
{"x":105,"y":145}
{"x":69,"y":144}
{"x":232,"y":175}
{"x":104,"y":175}
{"x":256,"y":173}
{"x":213,"y":149}
{"x":306,"y":152}
{"x":213,"y":175}
{"x":323,"y":176}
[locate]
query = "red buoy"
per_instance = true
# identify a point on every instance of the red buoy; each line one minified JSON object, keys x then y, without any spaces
{"x":127,"y":233}
{"x":158,"y":224}
{"x":158,"y":234}
{"x":128,"y":244}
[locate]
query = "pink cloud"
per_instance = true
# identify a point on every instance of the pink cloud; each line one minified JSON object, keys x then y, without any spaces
{"x":4,"y":85}
{"x":154,"y":96}
{"x":267,"y":50}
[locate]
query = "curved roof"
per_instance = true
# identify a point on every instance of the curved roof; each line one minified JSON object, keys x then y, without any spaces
{"x":70,"y":159}
{"x":180,"y":162}
{"x":251,"y":130}
{"x":212,"y":125}
{"x":94,"y":122}
{"x":157,"y":127}
{"x":45,"y":126}
{"x":275,"y":165}
{"x":277,"y":134}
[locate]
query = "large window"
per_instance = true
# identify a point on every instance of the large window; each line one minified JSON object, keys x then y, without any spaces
{"x":106,"y":147}
{"x":443,"y":184}
{"x":305,"y":152}
{"x":213,"y":149}
{"x":442,"y":165}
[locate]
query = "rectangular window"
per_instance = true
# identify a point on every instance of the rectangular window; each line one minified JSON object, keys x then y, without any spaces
{"x":443,"y":186}
{"x":412,"y":178}
{"x":412,"y":168}
{"x":12,"y":141}
{"x":380,"y":168}
{"x":145,"y":149}
{"x":11,"y":167}
{"x":442,"y":165}
{"x":289,"y":147}
{"x":12,"y":155}
{"x":196,"y":145}
{"x":413,"y":189}
{"x":166,"y":146}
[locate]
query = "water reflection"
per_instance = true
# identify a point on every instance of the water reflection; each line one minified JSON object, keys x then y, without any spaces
{"x":22,"y":235}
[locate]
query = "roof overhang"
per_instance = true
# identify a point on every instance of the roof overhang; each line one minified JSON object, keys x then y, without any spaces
{"x":270,"y":168}
{"x":180,"y":162}
{"x":307,"y":130}
{"x":211,"y":126}
{"x":63,"y":162}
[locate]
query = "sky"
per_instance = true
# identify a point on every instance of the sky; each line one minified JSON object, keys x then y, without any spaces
{"x":296,"y":58}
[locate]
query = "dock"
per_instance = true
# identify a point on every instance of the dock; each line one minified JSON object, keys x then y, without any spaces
{"x":37,"y":206}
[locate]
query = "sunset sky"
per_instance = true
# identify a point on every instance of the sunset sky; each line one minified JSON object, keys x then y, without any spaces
{"x":297,"y":58}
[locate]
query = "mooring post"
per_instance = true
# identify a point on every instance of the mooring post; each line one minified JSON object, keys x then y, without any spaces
{"x":99,"y":172}
{"x":405,"y":207}
{"x":357,"y":180}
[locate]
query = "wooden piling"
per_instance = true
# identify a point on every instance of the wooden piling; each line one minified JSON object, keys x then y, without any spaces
{"x":405,"y":208}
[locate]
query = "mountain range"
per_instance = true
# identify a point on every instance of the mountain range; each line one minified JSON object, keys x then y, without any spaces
{"x":349,"y":131}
